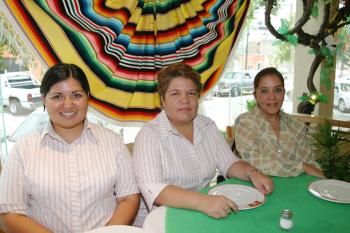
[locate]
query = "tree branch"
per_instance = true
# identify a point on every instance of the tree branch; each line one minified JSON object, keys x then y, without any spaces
{"x":310,"y":78}
{"x":268,"y":9}
{"x":325,"y":22}
{"x":341,"y":15}
{"x":335,"y":29}
{"x":307,"y":7}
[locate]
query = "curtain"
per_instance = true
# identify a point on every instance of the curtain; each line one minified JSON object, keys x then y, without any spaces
{"x":121,"y":45}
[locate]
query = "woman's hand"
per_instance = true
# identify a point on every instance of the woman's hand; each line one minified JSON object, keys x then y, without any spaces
{"x":313,"y":171}
{"x":216,"y":206}
{"x":261,"y":182}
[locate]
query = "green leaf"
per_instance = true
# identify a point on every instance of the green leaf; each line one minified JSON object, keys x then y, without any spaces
{"x":314,"y":11}
{"x":292,"y":39}
{"x":303,"y":98}
{"x":250,"y":104}
{"x":282,"y":31}
{"x":323,"y":98}
{"x":312,"y":51}
{"x":285,"y":23}
{"x":326,"y":52}
{"x":327,"y":142}
{"x":329,"y":62}
{"x":276,"y":42}
{"x":284,"y":28}
{"x":324,"y":78}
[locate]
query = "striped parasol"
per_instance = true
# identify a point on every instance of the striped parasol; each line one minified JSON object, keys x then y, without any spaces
{"x":122,"y":44}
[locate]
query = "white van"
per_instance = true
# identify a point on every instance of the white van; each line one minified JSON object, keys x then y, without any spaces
{"x":20,"y":91}
{"x":342,"y":95}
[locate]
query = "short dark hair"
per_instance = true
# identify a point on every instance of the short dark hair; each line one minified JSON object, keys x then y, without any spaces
{"x":267,"y":71}
{"x":166,"y":74}
{"x":63,"y":71}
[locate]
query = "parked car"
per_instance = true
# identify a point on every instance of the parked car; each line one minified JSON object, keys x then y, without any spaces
{"x":20,"y":91}
{"x":38,"y":119}
{"x":235,"y":83}
{"x":342,"y":95}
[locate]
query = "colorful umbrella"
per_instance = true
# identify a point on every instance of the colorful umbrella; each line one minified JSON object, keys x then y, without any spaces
{"x":122,"y":44}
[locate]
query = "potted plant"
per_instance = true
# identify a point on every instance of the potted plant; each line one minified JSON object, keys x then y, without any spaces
{"x":336,"y":165}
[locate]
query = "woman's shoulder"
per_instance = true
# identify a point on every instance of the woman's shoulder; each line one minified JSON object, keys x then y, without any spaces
{"x":100,"y":128}
{"x":31,"y":137}
{"x":103,"y":133}
{"x":204,"y":120}
{"x":292,"y":121}
{"x":250,"y":117}
{"x":151,"y":128}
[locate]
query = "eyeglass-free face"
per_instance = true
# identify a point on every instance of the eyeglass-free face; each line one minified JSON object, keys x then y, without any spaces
{"x":180,"y":101}
{"x":270,"y":94}
{"x":67,"y":105}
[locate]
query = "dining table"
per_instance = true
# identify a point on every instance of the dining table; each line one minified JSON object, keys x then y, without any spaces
{"x":309,"y":213}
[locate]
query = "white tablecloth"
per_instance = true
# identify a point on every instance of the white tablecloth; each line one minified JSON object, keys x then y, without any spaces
{"x":155,"y":221}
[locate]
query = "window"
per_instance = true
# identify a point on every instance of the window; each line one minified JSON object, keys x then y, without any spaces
{"x":228,"y":99}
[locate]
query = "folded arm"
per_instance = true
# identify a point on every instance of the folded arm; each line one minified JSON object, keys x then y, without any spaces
{"x":18,"y":223}
{"x":313,"y":171}
{"x":126,"y":210}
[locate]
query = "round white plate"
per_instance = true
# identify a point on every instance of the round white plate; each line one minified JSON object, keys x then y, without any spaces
{"x":118,"y":229}
{"x":245,"y":197}
{"x":331,"y":190}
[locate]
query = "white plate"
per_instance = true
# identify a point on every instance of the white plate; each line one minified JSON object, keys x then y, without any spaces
{"x":245,"y":197}
{"x":331,"y":190}
{"x":118,"y":229}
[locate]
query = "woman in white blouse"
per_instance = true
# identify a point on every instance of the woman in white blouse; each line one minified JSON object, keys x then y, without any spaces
{"x":178,"y":152}
{"x":72,"y":175}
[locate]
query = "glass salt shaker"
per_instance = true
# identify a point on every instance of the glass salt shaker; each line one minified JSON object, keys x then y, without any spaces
{"x":286,"y":219}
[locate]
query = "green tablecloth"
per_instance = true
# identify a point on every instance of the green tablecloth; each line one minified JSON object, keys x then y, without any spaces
{"x":310,"y":214}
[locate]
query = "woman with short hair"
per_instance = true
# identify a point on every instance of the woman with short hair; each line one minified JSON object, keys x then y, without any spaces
{"x":177,"y":154}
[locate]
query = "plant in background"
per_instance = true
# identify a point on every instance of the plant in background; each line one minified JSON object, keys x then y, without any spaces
{"x":327,"y":142}
{"x":250,"y":105}
{"x":323,"y":44}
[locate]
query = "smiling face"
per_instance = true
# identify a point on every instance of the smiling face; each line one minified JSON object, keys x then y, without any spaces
{"x":180,"y":101}
{"x":270,"y":94}
{"x":67,"y":105}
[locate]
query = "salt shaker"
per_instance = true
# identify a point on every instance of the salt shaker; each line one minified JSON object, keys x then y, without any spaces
{"x":286,"y":220}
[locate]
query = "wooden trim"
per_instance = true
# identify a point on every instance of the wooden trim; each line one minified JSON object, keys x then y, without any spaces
{"x":320,"y":119}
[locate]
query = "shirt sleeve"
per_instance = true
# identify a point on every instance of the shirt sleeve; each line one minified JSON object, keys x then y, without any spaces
{"x":147,"y":164}
{"x":225,"y":156}
{"x":126,"y":183}
{"x":247,"y":141}
{"x":13,"y":198}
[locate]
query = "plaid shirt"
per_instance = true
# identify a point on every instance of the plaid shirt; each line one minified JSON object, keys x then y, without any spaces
{"x":257,"y":144}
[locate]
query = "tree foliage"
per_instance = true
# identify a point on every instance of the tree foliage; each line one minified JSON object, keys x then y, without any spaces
{"x":322,"y":43}
{"x":12,"y":43}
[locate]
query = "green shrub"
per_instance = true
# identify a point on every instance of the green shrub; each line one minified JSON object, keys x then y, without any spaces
{"x":326,"y":142}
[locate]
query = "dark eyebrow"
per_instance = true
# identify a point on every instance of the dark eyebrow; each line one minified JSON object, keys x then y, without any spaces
{"x":60,"y":93}
{"x":269,"y":87}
